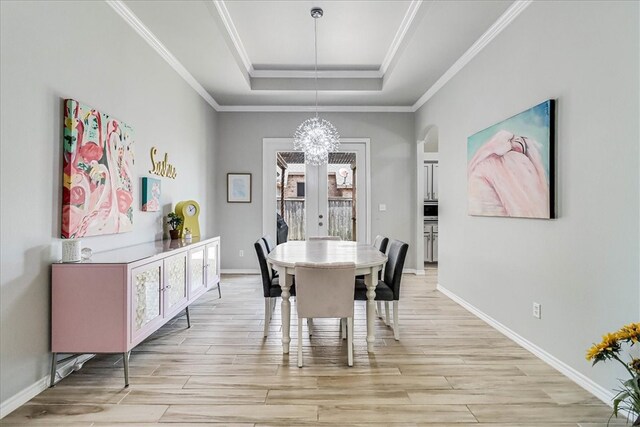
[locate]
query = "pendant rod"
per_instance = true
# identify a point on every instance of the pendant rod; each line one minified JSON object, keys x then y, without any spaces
{"x":315,"y":39}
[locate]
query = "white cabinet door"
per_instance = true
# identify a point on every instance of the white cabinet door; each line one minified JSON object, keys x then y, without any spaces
{"x":427,"y":181}
{"x":434,"y":181}
{"x":146,"y":299}
{"x":431,"y":181}
{"x":197,"y":284}
{"x":175,"y":284}
{"x":427,"y":243}
{"x":212,"y":264}
{"x":434,"y":246}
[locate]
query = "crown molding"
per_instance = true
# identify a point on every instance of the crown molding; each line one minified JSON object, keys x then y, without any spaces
{"x":406,"y":23}
{"x":505,"y":19}
{"x":322,"y":109}
{"x":232,"y":32}
{"x":243,"y":56}
{"x":135,"y":23}
{"x":322,"y":74}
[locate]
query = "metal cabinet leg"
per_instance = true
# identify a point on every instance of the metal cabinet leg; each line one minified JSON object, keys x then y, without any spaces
{"x":125,"y":357}
{"x":54,"y":365}
{"x":188,"y":317}
{"x":219,"y":292}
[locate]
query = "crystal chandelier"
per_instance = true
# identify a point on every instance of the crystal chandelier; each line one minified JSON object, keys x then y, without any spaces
{"x":316,"y":137}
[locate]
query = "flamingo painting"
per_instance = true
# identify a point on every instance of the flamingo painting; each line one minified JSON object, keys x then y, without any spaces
{"x":510,"y":166}
{"x":97,"y":173}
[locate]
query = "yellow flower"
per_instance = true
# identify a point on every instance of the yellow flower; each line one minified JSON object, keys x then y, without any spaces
{"x":635,"y":365}
{"x":609,"y":344}
{"x":629,"y":332}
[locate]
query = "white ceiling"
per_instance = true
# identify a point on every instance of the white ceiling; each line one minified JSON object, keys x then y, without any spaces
{"x":260,"y":53}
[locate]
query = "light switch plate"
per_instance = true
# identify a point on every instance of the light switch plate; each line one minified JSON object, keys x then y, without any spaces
{"x":382,"y":207}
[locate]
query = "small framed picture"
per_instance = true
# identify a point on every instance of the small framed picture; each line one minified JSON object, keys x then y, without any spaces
{"x":238,"y":188}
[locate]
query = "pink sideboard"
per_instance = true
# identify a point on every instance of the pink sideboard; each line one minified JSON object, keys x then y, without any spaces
{"x":111,"y":303}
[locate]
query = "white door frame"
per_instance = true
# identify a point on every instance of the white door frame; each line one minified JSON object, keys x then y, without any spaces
{"x":419,"y":230}
{"x":269,"y":148}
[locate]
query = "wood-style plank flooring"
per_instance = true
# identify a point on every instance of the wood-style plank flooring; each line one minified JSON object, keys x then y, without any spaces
{"x":448,"y":369}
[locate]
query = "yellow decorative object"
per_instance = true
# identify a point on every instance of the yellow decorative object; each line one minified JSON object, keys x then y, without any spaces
{"x":189,"y":210}
{"x":162,"y":167}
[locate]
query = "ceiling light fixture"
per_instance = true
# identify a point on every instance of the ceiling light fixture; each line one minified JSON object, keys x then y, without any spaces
{"x":316,"y":137}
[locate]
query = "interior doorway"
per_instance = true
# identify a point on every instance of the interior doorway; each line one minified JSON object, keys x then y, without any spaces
{"x":427,"y":197}
{"x":326,"y":200}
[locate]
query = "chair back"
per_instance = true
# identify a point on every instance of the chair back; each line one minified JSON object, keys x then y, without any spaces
{"x":324,"y":238}
{"x":268,"y":241}
{"x":265,"y":271}
{"x":381,"y":243}
{"x":325,"y":290}
{"x":396,"y":254}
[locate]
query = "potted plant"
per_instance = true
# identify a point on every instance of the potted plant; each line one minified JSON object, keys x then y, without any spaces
{"x":627,"y":398}
{"x":174,"y":222}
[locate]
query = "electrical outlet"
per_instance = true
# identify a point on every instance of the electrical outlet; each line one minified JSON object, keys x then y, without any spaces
{"x":537,"y":310}
{"x":241,"y":254}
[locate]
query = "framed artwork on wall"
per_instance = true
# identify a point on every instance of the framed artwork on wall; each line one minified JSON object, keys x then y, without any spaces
{"x":238,"y":188}
{"x":511,"y":166}
{"x":97,"y":193}
{"x":150,"y":194}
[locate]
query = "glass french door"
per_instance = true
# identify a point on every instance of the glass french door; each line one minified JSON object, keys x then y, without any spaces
{"x":327,"y":200}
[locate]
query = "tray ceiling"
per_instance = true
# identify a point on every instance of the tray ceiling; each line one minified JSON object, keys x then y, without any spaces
{"x":374,"y":54}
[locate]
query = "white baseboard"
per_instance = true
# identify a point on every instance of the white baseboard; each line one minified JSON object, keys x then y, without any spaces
{"x":240,"y":271}
{"x":589,"y":385}
{"x":22,"y":397}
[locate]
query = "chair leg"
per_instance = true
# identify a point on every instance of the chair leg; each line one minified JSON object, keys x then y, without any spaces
{"x":396,"y":325}
{"x":299,"y":342}
{"x":387,"y":313}
{"x":379,"y":309}
{"x":272,"y":307}
{"x":343,"y":329}
{"x":350,"y":341}
{"x":219,"y":291}
{"x":267,"y":315}
{"x":54,"y":365}
{"x":310,"y":325}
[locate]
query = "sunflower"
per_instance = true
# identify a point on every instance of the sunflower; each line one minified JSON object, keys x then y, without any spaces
{"x":607,"y":348}
{"x":630,"y":332}
{"x":635,"y":365}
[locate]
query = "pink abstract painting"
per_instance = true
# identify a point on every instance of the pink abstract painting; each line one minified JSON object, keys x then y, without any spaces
{"x":97,"y":173}
{"x":510,"y":166}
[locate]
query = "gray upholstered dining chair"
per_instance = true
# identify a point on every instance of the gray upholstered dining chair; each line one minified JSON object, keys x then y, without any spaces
{"x":388,"y":289}
{"x":324,"y":238}
{"x":270,"y":245}
{"x":325,"y":290}
{"x":270,"y":284}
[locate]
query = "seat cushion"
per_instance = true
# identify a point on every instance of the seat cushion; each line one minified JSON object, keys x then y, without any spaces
{"x":383,"y":292}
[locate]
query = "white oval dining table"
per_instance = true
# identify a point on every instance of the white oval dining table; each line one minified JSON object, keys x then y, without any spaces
{"x":367,"y":258}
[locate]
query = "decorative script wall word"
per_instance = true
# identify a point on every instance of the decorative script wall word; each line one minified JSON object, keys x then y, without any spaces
{"x":162,"y":167}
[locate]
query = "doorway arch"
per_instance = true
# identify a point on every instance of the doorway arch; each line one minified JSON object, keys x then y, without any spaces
{"x":427,"y":143}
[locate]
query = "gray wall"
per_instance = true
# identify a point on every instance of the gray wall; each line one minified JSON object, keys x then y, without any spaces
{"x":583,"y":266}
{"x":240,"y":150}
{"x":84,"y":50}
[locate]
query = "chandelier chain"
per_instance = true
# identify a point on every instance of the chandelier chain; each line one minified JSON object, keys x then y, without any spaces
{"x":316,"y":137}
{"x":315,"y":49}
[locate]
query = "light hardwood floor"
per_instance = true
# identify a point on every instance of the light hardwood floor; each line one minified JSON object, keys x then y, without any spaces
{"x":448,"y":369}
